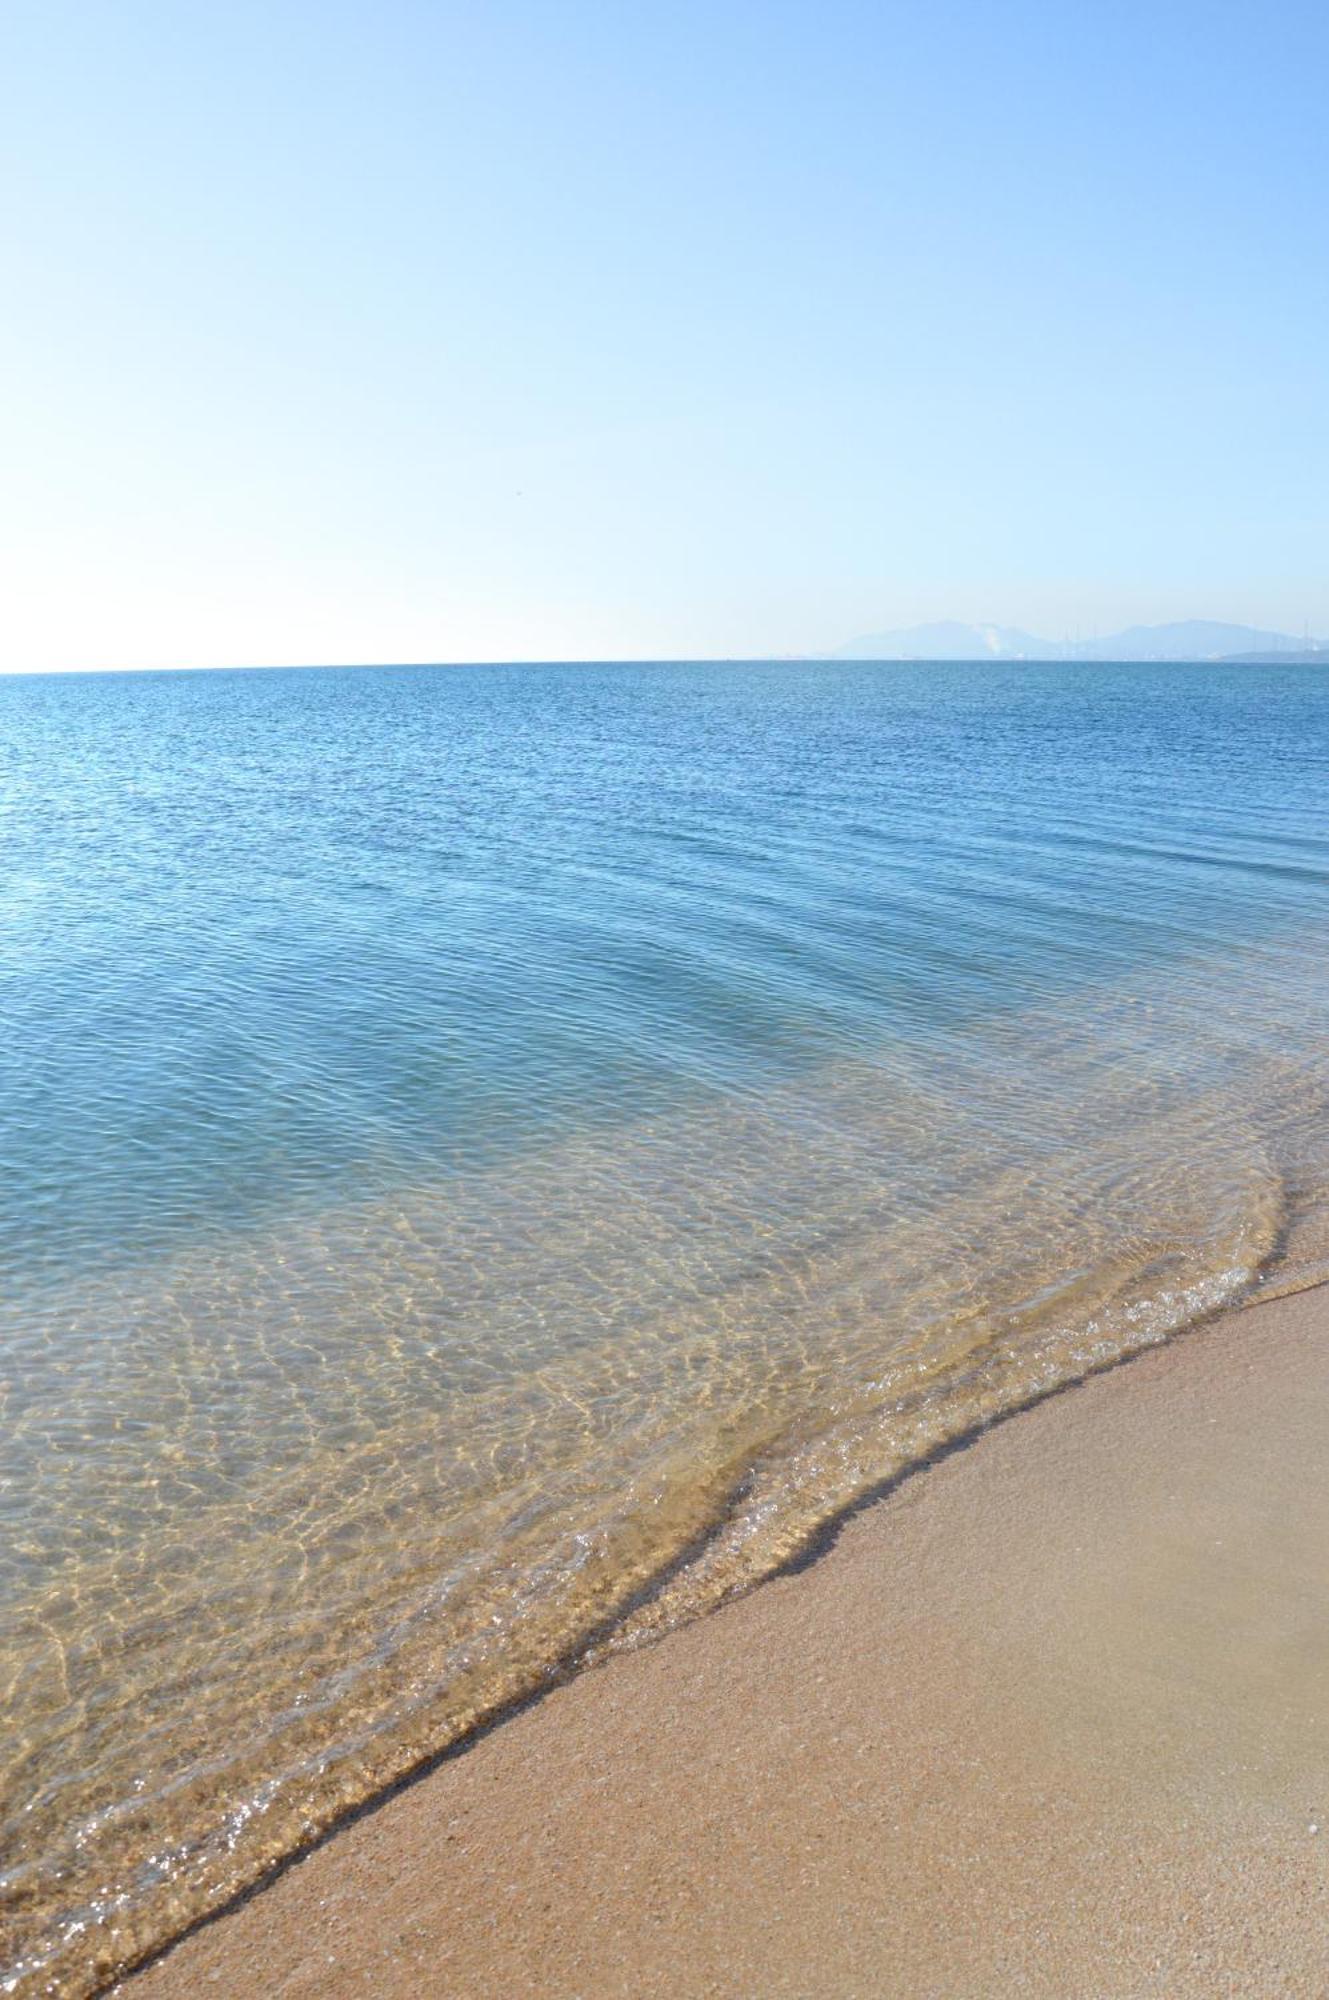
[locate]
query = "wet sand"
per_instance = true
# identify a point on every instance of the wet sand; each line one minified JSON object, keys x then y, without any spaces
{"x":1051,"y":1718}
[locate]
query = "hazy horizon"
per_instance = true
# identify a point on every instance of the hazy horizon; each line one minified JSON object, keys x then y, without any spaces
{"x":552,"y":335}
{"x":1178,"y":643}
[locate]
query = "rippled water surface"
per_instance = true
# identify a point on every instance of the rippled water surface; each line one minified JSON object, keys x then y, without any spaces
{"x":494,"y":1157}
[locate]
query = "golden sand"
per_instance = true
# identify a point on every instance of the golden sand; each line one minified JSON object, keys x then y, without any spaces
{"x":1052,"y":1718}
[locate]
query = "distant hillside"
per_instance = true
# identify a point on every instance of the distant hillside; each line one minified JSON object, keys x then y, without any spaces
{"x":1192,"y":639}
{"x":1195,"y":639}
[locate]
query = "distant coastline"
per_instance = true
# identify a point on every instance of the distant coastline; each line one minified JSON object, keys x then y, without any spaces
{"x":1187,"y":642}
{"x":1305,"y":656}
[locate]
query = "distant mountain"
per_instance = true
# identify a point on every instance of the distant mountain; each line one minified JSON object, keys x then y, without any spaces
{"x":1192,"y":639}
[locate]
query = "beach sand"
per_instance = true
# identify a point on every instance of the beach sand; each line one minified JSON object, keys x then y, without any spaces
{"x":1051,"y":1718}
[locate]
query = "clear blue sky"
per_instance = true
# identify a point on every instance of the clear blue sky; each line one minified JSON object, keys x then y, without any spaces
{"x":407,"y":331}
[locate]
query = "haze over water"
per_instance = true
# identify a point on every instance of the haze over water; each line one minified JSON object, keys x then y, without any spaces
{"x":496,"y":1157}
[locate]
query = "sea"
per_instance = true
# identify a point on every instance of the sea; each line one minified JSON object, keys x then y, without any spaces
{"x":499,"y":1159}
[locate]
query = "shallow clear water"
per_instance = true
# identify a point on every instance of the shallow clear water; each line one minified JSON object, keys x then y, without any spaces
{"x":495,"y":1157}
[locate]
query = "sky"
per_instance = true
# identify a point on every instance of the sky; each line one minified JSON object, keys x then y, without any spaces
{"x":400,"y":331}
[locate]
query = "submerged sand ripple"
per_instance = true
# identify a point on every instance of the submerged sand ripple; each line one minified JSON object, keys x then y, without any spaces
{"x":395,"y":1463}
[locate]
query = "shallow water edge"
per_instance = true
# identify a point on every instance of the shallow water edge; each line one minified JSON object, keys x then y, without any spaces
{"x":816,"y":1541}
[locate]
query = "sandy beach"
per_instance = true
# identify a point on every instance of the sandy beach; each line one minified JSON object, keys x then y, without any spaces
{"x":1050,"y":1718}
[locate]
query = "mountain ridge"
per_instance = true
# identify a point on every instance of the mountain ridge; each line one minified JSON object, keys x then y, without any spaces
{"x":1185,"y":639}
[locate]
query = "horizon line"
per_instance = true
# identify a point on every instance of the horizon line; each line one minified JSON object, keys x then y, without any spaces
{"x":1258,"y":656}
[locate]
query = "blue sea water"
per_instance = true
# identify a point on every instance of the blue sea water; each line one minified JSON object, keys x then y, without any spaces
{"x":494,"y":1156}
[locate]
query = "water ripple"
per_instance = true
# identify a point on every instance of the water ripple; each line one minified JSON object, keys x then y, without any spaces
{"x":495,"y":1158}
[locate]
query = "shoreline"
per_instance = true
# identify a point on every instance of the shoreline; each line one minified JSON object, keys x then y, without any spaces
{"x":1045,"y":1717}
